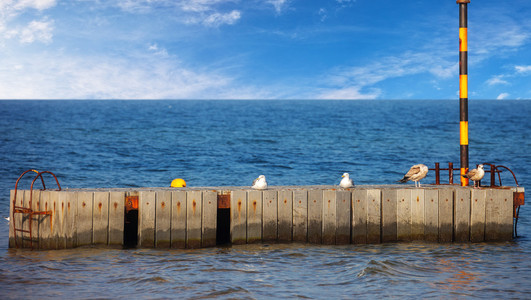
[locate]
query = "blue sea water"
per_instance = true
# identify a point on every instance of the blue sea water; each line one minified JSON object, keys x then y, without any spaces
{"x":221,"y":143}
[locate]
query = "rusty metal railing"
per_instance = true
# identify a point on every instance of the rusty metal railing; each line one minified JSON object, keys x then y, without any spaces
{"x":494,"y":169}
{"x":29,"y":210}
{"x":518,"y":197}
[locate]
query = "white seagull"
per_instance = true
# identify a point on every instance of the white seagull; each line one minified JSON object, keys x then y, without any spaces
{"x":260,"y":183}
{"x":475,"y":175}
{"x":416,"y":173}
{"x":346,"y":182}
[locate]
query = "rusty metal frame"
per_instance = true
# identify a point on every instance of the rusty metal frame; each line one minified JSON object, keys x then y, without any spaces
{"x":29,"y":210}
{"x":518,"y":197}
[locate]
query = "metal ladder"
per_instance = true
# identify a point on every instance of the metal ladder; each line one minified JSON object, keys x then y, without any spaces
{"x":28,"y":211}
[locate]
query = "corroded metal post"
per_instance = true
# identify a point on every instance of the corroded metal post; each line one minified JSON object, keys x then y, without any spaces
{"x":463,"y":88}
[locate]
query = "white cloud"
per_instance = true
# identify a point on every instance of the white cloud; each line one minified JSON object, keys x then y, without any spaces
{"x":147,"y":77}
{"x":35,"y":4}
{"x":200,"y":5}
{"x":502,"y":96}
{"x":217,"y":19}
{"x":323,"y":14}
{"x":496,"y":34}
{"x":351,"y":80}
{"x":37,"y":31}
{"x":34,"y":30}
{"x":154,"y":48}
{"x":205,"y":12}
{"x":279,"y":5}
{"x":349,"y":93}
{"x":345,"y":3}
{"x":497,"y":80}
{"x":523,"y":69}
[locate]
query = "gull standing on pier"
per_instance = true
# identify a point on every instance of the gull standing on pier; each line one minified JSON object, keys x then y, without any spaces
{"x":416,"y":173}
{"x":260,"y":183}
{"x":346,"y":182}
{"x":475,"y":175}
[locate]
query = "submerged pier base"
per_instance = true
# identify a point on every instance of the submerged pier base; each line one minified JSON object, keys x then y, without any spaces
{"x":207,"y":216}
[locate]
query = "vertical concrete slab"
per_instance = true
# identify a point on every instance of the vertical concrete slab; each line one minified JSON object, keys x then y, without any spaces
{"x":329,"y":217}
{"x":35,"y":223}
{"x":178,"y":219}
{"x":389,"y":215}
{"x":431,"y":215}
{"x":315,"y":212}
{"x":269,"y":230}
{"x":238,"y":217}
{"x":343,"y":213}
{"x":477,"y":215}
{"x":462,"y":215}
{"x":56,"y":229}
{"x":100,"y":218}
{"x":12,"y":220}
{"x":45,"y":223}
{"x":61,"y":220}
{"x":25,"y":219}
{"x":417,"y":214}
{"x":18,"y":217}
{"x":210,"y":218}
{"x":498,"y":215}
{"x":403,"y":215}
{"x":116,"y":218}
{"x":162,"y":219}
{"x":69,"y":219}
{"x":194,"y":202}
{"x":300,"y":215}
{"x":83,"y":235}
{"x":506,"y":217}
{"x":146,"y":218}
{"x":446,"y":209}
{"x":359,"y":216}
{"x":285,"y":215}
{"x":374,"y":216}
{"x":254,"y":216}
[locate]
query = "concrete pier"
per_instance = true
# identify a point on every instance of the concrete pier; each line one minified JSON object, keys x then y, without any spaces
{"x":195,"y":217}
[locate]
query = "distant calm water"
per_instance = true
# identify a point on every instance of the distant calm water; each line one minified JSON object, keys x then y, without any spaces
{"x":216,"y":143}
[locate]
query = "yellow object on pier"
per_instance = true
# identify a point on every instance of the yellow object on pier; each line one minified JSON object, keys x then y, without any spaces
{"x":178,"y":182}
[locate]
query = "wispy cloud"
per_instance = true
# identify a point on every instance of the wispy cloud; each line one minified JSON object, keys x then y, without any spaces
{"x":349,"y":93}
{"x":218,"y":19}
{"x":502,"y":96}
{"x":158,"y":51}
{"x":279,"y":5}
{"x":19,"y":5}
{"x":523,"y":69}
{"x":203,"y":12}
{"x":496,"y":80}
{"x":352,"y":80}
{"x":345,"y":3}
{"x":35,"y":30}
{"x":496,"y":34}
{"x":146,"y":76}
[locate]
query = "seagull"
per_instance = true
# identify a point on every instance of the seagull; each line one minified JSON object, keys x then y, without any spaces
{"x":7,"y":218}
{"x":416,"y":173}
{"x":475,"y":175}
{"x":346,"y":182}
{"x":260,"y":183}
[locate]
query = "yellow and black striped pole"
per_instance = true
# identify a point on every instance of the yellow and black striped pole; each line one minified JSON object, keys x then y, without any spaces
{"x":463,"y":87}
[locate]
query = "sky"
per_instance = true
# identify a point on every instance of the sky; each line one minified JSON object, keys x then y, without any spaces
{"x":261,"y":49}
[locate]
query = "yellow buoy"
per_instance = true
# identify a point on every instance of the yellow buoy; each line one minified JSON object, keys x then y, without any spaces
{"x":178,"y":182}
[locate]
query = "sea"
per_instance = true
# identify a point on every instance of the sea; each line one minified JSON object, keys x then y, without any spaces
{"x":114,"y":143}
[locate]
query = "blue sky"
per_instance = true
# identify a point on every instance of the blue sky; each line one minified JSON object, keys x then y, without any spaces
{"x":261,"y":49}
